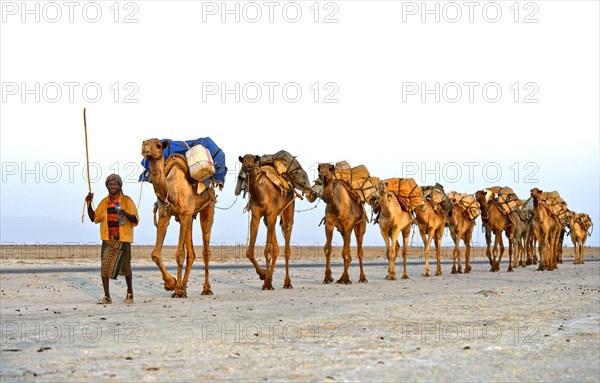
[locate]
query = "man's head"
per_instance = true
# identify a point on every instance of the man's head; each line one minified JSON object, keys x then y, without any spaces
{"x":114,"y":183}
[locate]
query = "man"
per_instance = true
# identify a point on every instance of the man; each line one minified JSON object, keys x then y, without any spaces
{"x":117,"y":216}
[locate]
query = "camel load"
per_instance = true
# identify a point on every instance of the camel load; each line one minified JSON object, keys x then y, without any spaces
{"x":358,"y":180}
{"x":468,"y":202}
{"x":406,"y":190}
{"x":437,"y":195}
{"x":205,"y":160}
{"x":282,"y":168}
{"x":505,"y":197}
{"x":200,"y":163}
{"x":556,"y":204}
{"x":584,"y":220}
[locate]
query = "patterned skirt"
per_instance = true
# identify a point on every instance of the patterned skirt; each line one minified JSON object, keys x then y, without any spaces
{"x":115,"y":259}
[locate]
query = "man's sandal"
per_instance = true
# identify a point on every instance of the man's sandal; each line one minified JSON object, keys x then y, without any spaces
{"x":129,"y":299}
{"x":105,"y":301}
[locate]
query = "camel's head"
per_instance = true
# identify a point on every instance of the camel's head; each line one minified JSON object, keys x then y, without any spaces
{"x":570,"y":216}
{"x":326,"y":171}
{"x":381,"y":187}
{"x":488,"y":194}
{"x":482,"y":196}
{"x":152,"y":149}
{"x":249,"y":162}
{"x":536,"y":193}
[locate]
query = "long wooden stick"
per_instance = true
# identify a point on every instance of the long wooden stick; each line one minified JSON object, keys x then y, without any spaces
{"x":87,"y":157}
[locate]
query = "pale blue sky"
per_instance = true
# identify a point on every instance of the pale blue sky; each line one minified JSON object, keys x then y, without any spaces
{"x":381,"y":71}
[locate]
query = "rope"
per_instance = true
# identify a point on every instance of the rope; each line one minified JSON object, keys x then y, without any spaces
{"x":83,"y":211}
{"x":309,"y":209}
{"x":140,"y":199}
{"x":227,"y":208}
{"x":248,"y":234}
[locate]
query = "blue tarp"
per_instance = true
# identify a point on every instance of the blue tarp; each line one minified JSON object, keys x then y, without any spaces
{"x":179,"y":147}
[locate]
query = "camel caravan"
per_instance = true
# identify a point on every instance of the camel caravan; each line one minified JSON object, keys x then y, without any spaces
{"x":185,"y":174}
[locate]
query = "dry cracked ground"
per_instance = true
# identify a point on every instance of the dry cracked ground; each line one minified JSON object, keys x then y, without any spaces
{"x":521,"y":326}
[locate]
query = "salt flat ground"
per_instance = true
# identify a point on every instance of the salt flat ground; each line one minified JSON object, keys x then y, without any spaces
{"x":525,"y":326}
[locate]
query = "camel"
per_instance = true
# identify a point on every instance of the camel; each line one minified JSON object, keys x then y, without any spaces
{"x":345,"y":213}
{"x":530,"y":240}
{"x":564,"y":223}
{"x":267,"y":201}
{"x":393,"y":221}
{"x":530,"y":245}
{"x":461,"y":228}
{"x":546,"y":228}
{"x":178,"y":197}
{"x":578,"y":237}
{"x":431,"y":220}
{"x":521,"y":217}
{"x":495,"y":222}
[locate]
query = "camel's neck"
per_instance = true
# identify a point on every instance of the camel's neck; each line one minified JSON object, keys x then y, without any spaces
{"x":536,"y":203}
{"x":159,"y":179}
{"x":251,"y":178}
{"x":384,"y":204}
{"x":328,"y":185}
{"x":485,"y":213}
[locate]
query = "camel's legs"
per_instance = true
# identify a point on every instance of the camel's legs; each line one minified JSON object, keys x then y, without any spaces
{"x":541,"y":244}
{"x":161,"y":231}
{"x":346,"y":256}
{"x":456,"y":258}
{"x":191,"y":256}
{"x":437,"y":241}
{"x":287,"y":222}
{"x":559,"y":248}
{"x":359,"y":231}
{"x":389,"y":250}
{"x":556,"y":245}
{"x":206,"y":221}
{"x":488,"y":241}
{"x":467,"y":240}
{"x":529,"y":246}
{"x":405,"y":236}
{"x":509,"y":232}
{"x":271,"y":251}
{"x":426,"y":236}
{"x":456,"y":252}
{"x":254,"y":223}
{"x":383,"y":229}
{"x":185,"y":226}
{"x":327,"y":249}
{"x":575,"y":241}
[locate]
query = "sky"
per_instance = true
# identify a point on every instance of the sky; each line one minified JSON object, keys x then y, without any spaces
{"x":468,"y":94}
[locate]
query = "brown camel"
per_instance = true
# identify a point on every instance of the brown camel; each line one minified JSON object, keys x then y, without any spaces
{"x":578,"y":236}
{"x":393,"y":221}
{"x":531,"y":245}
{"x":530,"y":240}
{"x":345,"y":213}
{"x":267,"y":201}
{"x":546,"y":228}
{"x":178,"y":197}
{"x":431,"y":220}
{"x":495,"y":222}
{"x":522,"y":218}
{"x":564,"y":223}
{"x":461,"y":228}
